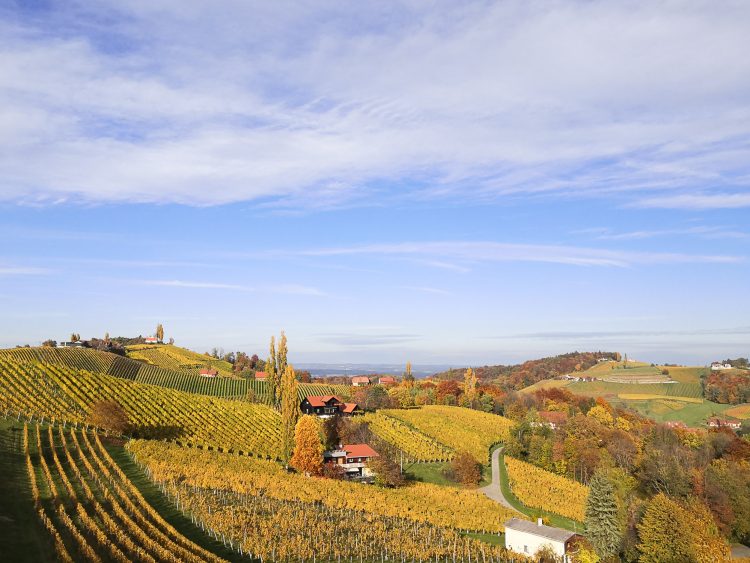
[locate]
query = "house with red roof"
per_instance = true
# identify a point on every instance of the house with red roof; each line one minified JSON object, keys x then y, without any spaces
{"x":261,"y":375}
{"x":553,"y":419}
{"x":151,"y":340}
{"x":351,"y":409}
{"x":387,"y":380}
{"x":208,"y":372}
{"x":360,"y":381}
{"x":352,"y":458}
{"x":716,"y":422}
{"x":322,"y":405}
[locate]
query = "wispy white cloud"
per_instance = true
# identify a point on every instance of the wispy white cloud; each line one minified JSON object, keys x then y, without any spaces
{"x":289,"y":289}
{"x":699,"y":231}
{"x":23,"y":271}
{"x":697,"y":201}
{"x":473,"y":100}
{"x":482,"y":251}
{"x":426,"y":289}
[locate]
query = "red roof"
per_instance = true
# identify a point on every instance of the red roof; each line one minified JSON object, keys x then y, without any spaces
{"x":553,"y":417}
{"x":359,"y":450}
{"x":322,"y":400}
{"x":350,"y":407}
{"x":387,"y":379}
{"x":360,"y":379}
{"x":209,"y":371}
{"x":260,"y":375}
{"x":151,"y":339}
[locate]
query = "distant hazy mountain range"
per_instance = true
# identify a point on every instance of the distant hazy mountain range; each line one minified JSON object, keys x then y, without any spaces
{"x":320,"y":370}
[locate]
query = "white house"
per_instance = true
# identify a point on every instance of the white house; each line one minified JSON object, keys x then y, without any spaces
{"x":718,"y":366}
{"x":527,"y":538}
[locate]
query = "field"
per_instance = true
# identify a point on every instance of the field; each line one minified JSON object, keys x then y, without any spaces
{"x":180,"y":380}
{"x":740,"y":411}
{"x":456,"y":427}
{"x":422,"y":502}
{"x":694,"y":414}
{"x":67,"y":394}
{"x":176,"y":358}
{"x":545,"y":384}
{"x":413,"y":443}
{"x":605,"y":388}
{"x":542,"y":489}
{"x":87,"y":506}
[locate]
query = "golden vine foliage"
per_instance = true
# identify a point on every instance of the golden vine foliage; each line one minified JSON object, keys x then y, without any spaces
{"x":423,"y":502}
{"x":57,"y":392}
{"x":286,"y":530}
{"x":102,"y":514}
{"x":457,"y":427}
{"x":406,"y":438}
{"x":538,"y":488}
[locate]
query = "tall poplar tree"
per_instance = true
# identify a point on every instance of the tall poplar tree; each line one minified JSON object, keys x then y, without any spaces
{"x":272,"y":374}
{"x":159,"y":332}
{"x":408,"y":375}
{"x":470,"y":385}
{"x":308,"y":448}
{"x":603,"y":526}
{"x":290,"y":411}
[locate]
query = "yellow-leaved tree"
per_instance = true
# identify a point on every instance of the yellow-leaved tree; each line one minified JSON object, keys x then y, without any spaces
{"x":308,"y":448}
{"x":470,"y":385}
{"x":290,"y":411}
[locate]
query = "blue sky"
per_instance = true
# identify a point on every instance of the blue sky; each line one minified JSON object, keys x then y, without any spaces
{"x":445,"y":182}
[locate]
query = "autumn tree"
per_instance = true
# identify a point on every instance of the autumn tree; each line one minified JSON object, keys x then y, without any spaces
{"x":109,"y":415}
{"x":159,"y":332}
{"x":470,"y":385}
{"x":290,"y":411}
{"x":75,"y":337}
{"x":387,"y":472}
{"x":465,"y":469}
{"x":408,"y":375}
{"x":308,"y":449}
{"x":273,"y":376}
{"x":670,"y":532}
{"x":603,"y":525}
{"x":332,"y":432}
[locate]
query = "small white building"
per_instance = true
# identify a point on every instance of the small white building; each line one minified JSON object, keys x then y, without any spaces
{"x":718,"y":366}
{"x":522,"y":536}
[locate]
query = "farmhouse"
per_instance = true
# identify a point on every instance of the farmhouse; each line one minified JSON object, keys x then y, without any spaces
{"x":76,"y":344}
{"x":326,"y":406}
{"x":260,"y":375}
{"x":352,"y":458}
{"x":716,"y":422}
{"x":387,"y":380}
{"x":151,"y":340}
{"x":527,"y":538}
{"x":718,"y":366}
{"x":360,"y":380}
{"x":208,"y":372}
{"x":553,"y":419}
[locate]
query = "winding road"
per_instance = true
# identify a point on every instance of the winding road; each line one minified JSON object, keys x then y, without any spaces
{"x":493,"y":490}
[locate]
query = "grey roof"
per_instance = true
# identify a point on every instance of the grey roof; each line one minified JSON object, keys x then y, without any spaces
{"x":548,"y":532}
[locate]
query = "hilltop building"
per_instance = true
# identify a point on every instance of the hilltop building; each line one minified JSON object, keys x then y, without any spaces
{"x":152,"y":340}
{"x":360,"y":380}
{"x":522,"y":536}
{"x":716,"y":422}
{"x":352,"y":458}
{"x":77,"y":344}
{"x":718,"y":366}
{"x":387,"y":380}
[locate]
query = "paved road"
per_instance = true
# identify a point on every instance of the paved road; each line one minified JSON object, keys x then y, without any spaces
{"x":493,"y":490}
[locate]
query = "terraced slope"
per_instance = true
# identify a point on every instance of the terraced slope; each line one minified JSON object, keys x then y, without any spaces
{"x":47,"y":391}
{"x":457,"y":428}
{"x":180,"y":380}
{"x":172,"y":357}
{"x":88,"y":507}
{"x":408,"y":439}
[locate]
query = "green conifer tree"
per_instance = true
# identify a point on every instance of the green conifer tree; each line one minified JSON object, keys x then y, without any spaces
{"x":603,"y":526}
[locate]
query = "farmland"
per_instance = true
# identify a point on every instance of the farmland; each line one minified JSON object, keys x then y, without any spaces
{"x":181,"y":380}
{"x":740,"y":411}
{"x":176,"y":358}
{"x":457,"y":428}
